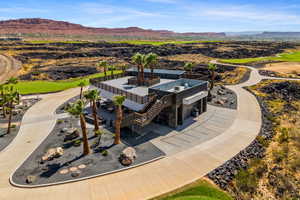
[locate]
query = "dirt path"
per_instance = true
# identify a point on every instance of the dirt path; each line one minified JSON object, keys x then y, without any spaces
{"x":8,"y":67}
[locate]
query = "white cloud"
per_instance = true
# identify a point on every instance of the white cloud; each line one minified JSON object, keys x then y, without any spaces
{"x":246,"y":13}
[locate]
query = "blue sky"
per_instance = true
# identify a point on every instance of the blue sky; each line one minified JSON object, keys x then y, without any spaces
{"x":176,"y":15}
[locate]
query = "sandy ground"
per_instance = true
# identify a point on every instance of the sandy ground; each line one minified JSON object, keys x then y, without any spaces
{"x":283,"y":67}
{"x":8,"y":67}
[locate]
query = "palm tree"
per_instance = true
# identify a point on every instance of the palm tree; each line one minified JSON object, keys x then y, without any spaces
{"x":138,"y":60}
{"x":212,"y":68}
{"x":93,"y":96}
{"x":104,"y":65}
{"x":112,"y":69}
{"x":2,"y":100}
{"x":11,"y":82}
{"x":11,"y":98}
{"x":76,"y":109}
{"x":151,"y":60}
{"x":118,"y":101}
{"x":81,"y":85}
{"x":189,"y":67}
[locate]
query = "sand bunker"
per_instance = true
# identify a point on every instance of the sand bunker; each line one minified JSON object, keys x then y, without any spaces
{"x":283,"y":67}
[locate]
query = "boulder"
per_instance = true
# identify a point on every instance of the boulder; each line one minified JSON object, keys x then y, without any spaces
{"x":127,"y":156}
{"x":53,"y":153}
{"x":71,"y":134}
{"x":75,"y":173}
{"x":130,"y":153}
{"x":220,"y":102}
{"x":30,"y":179}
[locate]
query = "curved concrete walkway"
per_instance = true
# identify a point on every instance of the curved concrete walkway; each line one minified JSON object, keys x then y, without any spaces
{"x":139,"y":183}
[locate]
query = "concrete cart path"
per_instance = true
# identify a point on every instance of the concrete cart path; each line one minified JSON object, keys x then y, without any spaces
{"x":144,"y":182}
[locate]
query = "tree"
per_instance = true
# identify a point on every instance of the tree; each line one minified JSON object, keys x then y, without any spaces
{"x":81,"y":85}
{"x":104,"y":65}
{"x":212,"y":68}
{"x":11,"y":82}
{"x":112,"y":69}
{"x":189,"y":67}
{"x":138,"y":60}
{"x":93,"y":96}
{"x":76,"y":109}
{"x":118,"y":101}
{"x":11,"y":98}
{"x":150,"y":61}
{"x":2,"y":100}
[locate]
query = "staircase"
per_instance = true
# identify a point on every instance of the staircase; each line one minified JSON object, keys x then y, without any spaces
{"x":147,"y":117}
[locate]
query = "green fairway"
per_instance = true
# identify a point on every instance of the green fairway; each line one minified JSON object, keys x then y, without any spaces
{"x":157,"y":43}
{"x":40,"y":87}
{"x":285,"y":57}
{"x":201,"y":190}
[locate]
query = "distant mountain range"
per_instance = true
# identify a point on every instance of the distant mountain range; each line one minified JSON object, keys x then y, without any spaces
{"x":33,"y":27}
{"x":46,"y":26}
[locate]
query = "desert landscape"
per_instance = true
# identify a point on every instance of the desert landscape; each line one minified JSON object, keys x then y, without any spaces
{"x":135,"y":113}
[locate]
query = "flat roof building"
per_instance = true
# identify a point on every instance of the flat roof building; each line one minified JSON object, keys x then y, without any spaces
{"x":171,"y":100}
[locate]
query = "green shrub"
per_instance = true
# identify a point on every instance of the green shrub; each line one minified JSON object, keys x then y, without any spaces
{"x":13,"y":126}
{"x":263,"y":141}
{"x":77,"y":143}
{"x":246,"y":182}
{"x":281,"y":154}
{"x":104,"y":153}
{"x":284,"y":135}
{"x":99,"y":132}
{"x":295,"y":164}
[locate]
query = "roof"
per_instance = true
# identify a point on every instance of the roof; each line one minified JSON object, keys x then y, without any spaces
{"x":185,"y":83}
{"x":122,"y":83}
{"x":159,"y":71}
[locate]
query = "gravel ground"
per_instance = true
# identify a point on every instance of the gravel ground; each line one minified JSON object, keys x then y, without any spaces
{"x":61,"y":108}
{"x":96,"y":163}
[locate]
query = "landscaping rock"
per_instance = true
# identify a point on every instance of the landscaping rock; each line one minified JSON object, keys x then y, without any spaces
{"x":125,"y":161}
{"x":130,"y":153}
{"x":53,"y":153}
{"x":30,"y":179}
{"x":71,"y":134}
{"x":75,"y":173}
{"x":128,"y":156}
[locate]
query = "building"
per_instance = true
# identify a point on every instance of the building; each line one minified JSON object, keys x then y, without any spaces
{"x":165,"y":97}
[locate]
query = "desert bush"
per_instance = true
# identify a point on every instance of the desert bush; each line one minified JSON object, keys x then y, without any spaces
{"x":295,"y":164}
{"x":280,"y":154}
{"x":13,"y":126}
{"x":262,"y":140}
{"x":283,"y":136}
{"x":246,"y":182}
{"x":104,"y":153}
{"x":99,"y":132}
{"x":77,"y":143}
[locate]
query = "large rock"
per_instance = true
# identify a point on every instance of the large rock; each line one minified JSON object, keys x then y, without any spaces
{"x":53,"y":153}
{"x":30,"y":179}
{"x":71,"y":134}
{"x":127,"y":156}
{"x":130,"y":153}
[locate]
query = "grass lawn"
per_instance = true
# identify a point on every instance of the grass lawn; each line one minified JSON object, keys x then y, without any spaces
{"x":200,"y":190}
{"x":285,"y":57}
{"x":40,"y":87}
{"x":157,"y":43}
